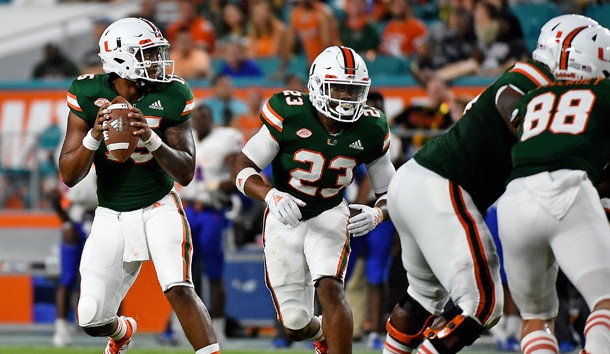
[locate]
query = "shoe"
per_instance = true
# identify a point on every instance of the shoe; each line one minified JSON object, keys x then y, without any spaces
{"x":566,"y":346}
{"x":513,"y":344}
{"x":63,"y":334}
{"x":374,"y":341}
{"x":320,"y":347}
{"x":281,"y":342}
{"x":120,"y":346}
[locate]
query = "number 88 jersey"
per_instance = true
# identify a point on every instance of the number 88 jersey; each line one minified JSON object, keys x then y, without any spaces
{"x":312,"y":164}
{"x":564,"y":125}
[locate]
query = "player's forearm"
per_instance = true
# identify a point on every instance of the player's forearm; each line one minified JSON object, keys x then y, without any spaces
{"x":381,"y":203}
{"x":179,"y":165}
{"x":74,"y":165}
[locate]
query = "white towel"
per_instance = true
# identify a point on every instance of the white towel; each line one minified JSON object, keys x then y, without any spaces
{"x":555,"y":191}
{"x":132,"y":226}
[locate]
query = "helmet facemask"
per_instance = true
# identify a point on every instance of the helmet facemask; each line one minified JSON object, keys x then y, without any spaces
{"x":343,"y":101}
{"x":152,"y":62}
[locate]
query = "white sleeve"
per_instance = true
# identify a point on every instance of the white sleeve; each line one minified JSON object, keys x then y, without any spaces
{"x":261,"y":148}
{"x":381,"y":172}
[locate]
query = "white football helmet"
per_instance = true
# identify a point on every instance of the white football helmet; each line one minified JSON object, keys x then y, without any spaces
{"x":585,"y":55}
{"x":135,"y":49}
{"x":554,"y":33}
{"x":339,"y":84}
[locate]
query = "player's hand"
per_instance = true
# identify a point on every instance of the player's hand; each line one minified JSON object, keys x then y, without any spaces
{"x":100,"y":122}
{"x":365,"y":221}
{"x":139,"y":122}
{"x":284,"y":207}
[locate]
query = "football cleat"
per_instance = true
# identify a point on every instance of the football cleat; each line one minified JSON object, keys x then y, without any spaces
{"x":63,"y":334}
{"x":320,"y":347}
{"x":120,"y":346}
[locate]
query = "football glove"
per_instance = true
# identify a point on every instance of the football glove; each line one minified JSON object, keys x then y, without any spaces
{"x":364,"y":222}
{"x":284,"y":207}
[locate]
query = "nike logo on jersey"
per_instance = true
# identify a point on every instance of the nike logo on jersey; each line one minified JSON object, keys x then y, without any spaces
{"x":356,"y":145}
{"x":156,"y":105}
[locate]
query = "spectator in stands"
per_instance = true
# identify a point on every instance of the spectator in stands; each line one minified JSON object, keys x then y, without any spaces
{"x":91,"y":60}
{"x":233,"y":23}
{"x":265,"y":31}
{"x":294,"y":82}
{"x":190,"y":61}
{"x":54,"y":65}
{"x":235,"y":62}
{"x":202,"y":31}
{"x":495,"y":51}
{"x":426,"y":118}
{"x":404,"y":32}
{"x":356,"y":30}
{"x":224,"y":105}
{"x":446,"y":44}
{"x":498,"y":50}
{"x":313,"y":23}
{"x":249,"y":123}
{"x":148,"y":10}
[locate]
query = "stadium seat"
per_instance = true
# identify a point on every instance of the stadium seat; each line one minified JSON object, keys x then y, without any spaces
{"x":532,"y":17}
{"x":385,"y":65}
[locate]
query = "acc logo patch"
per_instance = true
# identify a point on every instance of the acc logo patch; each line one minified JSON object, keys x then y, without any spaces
{"x":100,"y":101}
{"x":304,"y":133}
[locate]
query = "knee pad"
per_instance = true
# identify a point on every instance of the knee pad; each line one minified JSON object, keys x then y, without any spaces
{"x":295,"y":318}
{"x":462,"y":330}
{"x":86,"y":310}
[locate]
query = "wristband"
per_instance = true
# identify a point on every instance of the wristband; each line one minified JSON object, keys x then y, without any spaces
{"x":89,"y":141}
{"x":242,"y":177}
{"x":154,"y":142}
{"x":380,"y":215}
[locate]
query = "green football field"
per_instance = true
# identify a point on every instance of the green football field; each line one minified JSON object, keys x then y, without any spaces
{"x":25,"y":350}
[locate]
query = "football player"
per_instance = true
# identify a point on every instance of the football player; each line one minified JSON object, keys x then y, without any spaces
{"x":550,"y":215}
{"x":75,"y":209}
{"x":437,"y":201}
{"x":140,"y":215}
{"x":209,"y":201}
{"x":314,"y":142}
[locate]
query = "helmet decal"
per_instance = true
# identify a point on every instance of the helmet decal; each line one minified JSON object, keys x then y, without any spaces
{"x":567,"y":43}
{"x":348,"y":60}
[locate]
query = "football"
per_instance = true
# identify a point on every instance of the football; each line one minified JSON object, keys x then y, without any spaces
{"x":118,"y":137}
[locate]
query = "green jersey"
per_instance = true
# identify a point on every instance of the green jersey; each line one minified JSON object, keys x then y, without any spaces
{"x":564,"y":125}
{"x":139,"y":181}
{"x":475,"y":152}
{"x":312,"y":164}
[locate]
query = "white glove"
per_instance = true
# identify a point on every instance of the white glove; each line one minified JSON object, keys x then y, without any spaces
{"x":364,"y":222}
{"x":284,"y":207}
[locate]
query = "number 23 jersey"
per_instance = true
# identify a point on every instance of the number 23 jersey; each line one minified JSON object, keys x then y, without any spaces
{"x":312,"y":164}
{"x":140,"y":181}
{"x":564,"y":125}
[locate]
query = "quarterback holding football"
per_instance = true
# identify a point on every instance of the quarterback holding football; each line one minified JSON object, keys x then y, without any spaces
{"x":140,"y":215}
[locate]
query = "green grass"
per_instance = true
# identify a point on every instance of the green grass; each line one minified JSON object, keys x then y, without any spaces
{"x":25,"y":350}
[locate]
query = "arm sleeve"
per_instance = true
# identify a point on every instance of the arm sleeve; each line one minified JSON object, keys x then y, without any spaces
{"x":261,"y":148}
{"x":381,"y":171}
